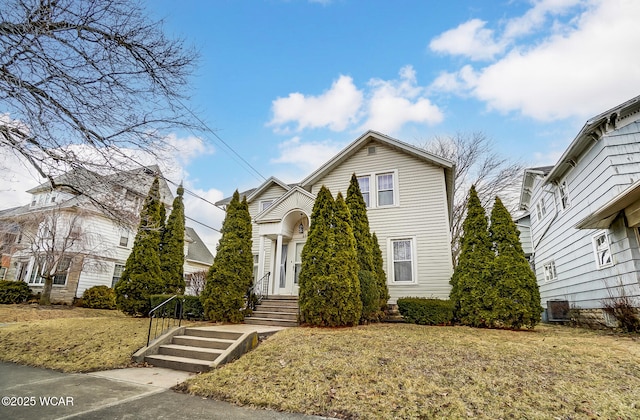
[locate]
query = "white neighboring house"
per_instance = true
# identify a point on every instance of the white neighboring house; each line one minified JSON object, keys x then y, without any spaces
{"x":585,"y":215}
{"x":409,"y":195}
{"x":92,"y":242}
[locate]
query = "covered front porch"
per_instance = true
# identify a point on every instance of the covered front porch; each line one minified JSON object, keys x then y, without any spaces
{"x":282,"y":231}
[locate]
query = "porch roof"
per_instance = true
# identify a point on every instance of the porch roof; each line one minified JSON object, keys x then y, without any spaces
{"x":602,"y":218}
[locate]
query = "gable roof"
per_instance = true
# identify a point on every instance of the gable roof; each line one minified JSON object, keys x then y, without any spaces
{"x":197,"y":250}
{"x":592,"y":130}
{"x":267,"y":213}
{"x":447,"y":165}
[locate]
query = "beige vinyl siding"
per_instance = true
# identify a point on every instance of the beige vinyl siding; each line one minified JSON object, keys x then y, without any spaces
{"x":420,"y":213}
{"x":608,"y":168}
{"x":274,"y":192}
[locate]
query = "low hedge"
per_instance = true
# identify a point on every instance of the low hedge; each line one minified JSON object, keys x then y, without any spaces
{"x":99,"y":297}
{"x":192,"y":308}
{"x":425,"y":311}
{"x":14,"y":292}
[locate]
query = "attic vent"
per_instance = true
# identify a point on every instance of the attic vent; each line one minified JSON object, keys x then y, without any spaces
{"x":558,"y":310}
{"x":371,"y":150}
{"x":148,"y":171}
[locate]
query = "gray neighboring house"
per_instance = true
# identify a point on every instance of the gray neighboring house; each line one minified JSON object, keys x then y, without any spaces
{"x":585,"y":215}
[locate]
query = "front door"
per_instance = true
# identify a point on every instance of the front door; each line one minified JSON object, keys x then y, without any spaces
{"x":282,"y":281}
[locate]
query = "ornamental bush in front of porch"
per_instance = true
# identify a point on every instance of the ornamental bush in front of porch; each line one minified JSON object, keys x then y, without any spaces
{"x":231,"y":273}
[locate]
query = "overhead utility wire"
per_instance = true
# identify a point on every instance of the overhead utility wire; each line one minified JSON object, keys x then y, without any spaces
{"x":230,"y":149}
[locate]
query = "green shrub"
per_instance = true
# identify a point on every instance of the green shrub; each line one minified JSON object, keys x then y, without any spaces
{"x":425,"y":311}
{"x":370,"y":296}
{"x":192,"y":307}
{"x":99,"y":297}
{"x":14,"y":292}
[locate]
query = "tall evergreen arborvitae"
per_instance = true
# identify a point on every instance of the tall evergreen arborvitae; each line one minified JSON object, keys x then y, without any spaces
{"x":369,"y":290}
{"x":141,"y":277}
{"x":231,"y":274}
{"x":172,"y":248}
{"x":346,"y":294}
{"x":517,"y":298}
{"x":317,"y":255}
{"x":471,"y":291}
{"x":381,"y":276}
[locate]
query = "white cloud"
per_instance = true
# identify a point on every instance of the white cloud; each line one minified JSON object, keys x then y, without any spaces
{"x":336,"y":108}
{"x":384,"y":105}
{"x":394,"y":103}
{"x":306,"y":156}
{"x":579,"y":70}
{"x":470,"y":39}
{"x":535,"y":17}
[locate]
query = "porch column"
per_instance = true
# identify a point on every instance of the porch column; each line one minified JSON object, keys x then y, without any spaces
{"x":276,"y":271}
{"x":261,"y":258}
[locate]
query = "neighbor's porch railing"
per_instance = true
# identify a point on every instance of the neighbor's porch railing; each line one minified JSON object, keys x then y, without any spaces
{"x":166,"y":315}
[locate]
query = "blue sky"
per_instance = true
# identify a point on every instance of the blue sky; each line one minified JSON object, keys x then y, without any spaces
{"x":288,"y":83}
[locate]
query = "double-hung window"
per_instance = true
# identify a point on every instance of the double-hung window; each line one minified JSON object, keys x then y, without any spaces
{"x":379,"y":189}
{"x":365,"y":188}
{"x":602,"y":250}
{"x":60,"y":278}
{"x":117,"y":273}
{"x":402,"y":260}
{"x":385,"y":189}
{"x":550,"y":271}
{"x":34,"y":276}
{"x":563,"y":191}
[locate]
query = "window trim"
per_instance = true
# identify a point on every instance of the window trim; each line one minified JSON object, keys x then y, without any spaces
{"x":65,"y":273}
{"x":268,"y":202}
{"x":552,"y":268}
{"x":391,"y":262}
{"x":374,"y":189}
{"x":367,"y":201}
{"x":113,"y":275}
{"x":596,"y":250}
{"x":565,"y":197}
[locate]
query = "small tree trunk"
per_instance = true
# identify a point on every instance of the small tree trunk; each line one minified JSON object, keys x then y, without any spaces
{"x":45,"y":296}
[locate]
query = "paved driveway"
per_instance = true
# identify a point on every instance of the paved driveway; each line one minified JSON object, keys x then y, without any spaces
{"x":137,"y":393}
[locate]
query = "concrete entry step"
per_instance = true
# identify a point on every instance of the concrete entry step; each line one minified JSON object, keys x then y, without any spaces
{"x":199,"y":349}
{"x":289,"y":316}
{"x":178,"y":363}
{"x":270,"y":321}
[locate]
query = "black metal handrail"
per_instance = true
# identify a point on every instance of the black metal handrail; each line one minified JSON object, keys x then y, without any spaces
{"x":258,"y":291}
{"x":166,"y":314}
{"x":261,"y":288}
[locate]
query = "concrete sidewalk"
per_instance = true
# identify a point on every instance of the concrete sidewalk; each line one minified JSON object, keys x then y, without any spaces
{"x":134,"y":393}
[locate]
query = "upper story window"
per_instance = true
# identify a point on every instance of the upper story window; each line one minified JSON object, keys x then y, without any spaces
{"x":550,"y":271}
{"x":602,"y":250}
{"x":265,"y":204}
{"x":379,"y":189}
{"x":563,"y":191}
{"x":541,"y":209}
{"x":124,"y":239}
{"x":365,"y":187}
{"x":385,"y":190}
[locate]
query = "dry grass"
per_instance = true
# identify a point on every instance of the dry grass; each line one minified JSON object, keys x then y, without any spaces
{"x":35,"y":312}
{"x":408,"y":371}
{"x":74,"y":344}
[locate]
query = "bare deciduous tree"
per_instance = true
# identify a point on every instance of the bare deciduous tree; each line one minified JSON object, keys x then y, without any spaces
{"x":197,"y":281}
{"x":477,"y":164}
{"x":82,"y":82}
{"x":59,"y":242}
